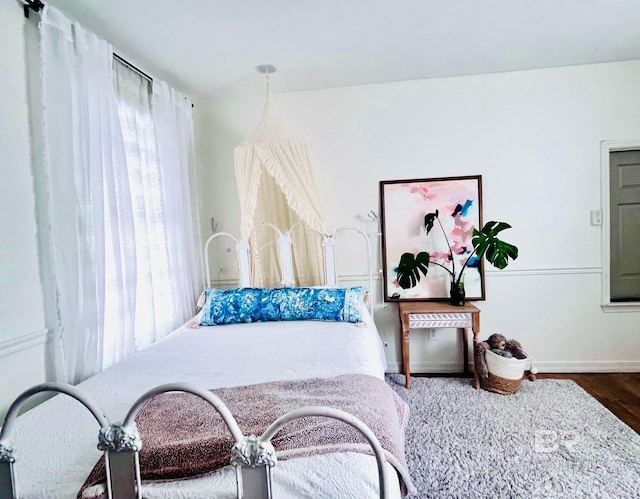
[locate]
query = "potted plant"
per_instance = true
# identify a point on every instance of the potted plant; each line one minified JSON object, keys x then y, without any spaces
{"x":485,"y":243}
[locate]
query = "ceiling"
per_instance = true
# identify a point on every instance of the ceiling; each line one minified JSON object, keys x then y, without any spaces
{"x":211,"y":47}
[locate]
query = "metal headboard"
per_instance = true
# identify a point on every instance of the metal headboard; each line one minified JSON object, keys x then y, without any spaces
{"x":329,"y":245}
{"x":285,"y":241}
{"x":242,"y":250}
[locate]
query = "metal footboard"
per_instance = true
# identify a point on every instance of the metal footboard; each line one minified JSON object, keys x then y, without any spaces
{"x":7,"y":457}
{"x":252,"y":457}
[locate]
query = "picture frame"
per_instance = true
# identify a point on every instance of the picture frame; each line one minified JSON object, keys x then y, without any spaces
{"x":403,"y":207}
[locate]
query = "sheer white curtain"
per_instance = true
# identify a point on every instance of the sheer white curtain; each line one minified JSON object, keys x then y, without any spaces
{"x":173,"y":124}
{"x":122,"y":236}
{"x":90,"y":221}
{"x":154,"y":309}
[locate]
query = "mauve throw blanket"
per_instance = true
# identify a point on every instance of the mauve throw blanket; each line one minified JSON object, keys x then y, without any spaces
{"x":183,"y":436}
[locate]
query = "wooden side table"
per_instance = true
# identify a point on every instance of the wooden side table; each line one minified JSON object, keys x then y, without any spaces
{"x":427,"y":314}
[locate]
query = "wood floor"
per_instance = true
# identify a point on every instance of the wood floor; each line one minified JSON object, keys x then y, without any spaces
{"x":618,"y":392}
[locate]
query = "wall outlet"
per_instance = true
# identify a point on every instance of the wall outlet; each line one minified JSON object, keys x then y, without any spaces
{"x":432,"y":335}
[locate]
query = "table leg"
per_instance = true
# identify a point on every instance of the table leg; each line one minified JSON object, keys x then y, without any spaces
{"x":476,"y":379}
{"x":404,"y":319}
{"x":465,"y":350}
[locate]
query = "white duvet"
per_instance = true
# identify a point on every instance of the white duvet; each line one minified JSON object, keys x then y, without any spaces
{"x":55,"y":443}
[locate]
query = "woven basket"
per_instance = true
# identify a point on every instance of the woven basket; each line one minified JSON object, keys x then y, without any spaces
{"x":505,"y":373}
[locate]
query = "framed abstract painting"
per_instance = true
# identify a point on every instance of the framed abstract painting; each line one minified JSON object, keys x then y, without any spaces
{"x":427,"y":226}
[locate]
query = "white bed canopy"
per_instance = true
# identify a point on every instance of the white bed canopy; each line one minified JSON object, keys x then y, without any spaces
{"x":276,"y":185}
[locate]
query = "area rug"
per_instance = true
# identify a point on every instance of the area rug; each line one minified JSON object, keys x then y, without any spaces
{"x":551,"y":439}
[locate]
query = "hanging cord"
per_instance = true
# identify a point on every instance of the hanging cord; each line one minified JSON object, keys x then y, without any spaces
{"x":270,"y":126}
{"x":268,"y":83}
{"x":266,"y":70}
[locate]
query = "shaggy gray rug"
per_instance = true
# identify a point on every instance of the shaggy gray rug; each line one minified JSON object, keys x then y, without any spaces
{"x":549,"y":440}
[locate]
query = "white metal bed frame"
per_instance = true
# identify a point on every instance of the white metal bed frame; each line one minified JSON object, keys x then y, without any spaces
{"x":286,"y":262}
{"x":252,"y":456}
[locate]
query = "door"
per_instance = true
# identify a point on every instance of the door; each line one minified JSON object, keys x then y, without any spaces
{"x":624,"y":181}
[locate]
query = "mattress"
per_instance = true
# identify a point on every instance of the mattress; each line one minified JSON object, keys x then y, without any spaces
{"x":55,"y":442}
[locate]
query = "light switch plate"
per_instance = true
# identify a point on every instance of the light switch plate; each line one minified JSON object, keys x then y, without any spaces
{"x":596,"y":217}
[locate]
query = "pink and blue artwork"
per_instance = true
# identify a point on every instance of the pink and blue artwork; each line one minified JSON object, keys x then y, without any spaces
{"x":456,"y":203}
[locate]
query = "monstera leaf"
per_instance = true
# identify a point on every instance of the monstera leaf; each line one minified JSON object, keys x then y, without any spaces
{"x":485,"y":243}
{"x":409,"y":268}
{"x":429,"y":220}
{"x":497,"y":252}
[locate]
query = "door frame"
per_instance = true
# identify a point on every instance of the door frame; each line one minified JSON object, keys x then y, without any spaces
{"x":606,"y":148}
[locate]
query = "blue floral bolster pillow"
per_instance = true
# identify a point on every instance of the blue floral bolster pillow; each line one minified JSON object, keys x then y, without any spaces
{"x":231,"y":306}
{"x":227,"y":306}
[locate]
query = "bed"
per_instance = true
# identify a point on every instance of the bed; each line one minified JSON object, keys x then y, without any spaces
{"x":55,"y":442}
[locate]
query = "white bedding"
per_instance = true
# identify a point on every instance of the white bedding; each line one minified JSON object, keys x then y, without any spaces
{"x":56,"y":442}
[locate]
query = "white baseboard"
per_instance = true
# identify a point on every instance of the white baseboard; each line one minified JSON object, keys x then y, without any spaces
{"x":622,"y":366}
{"x":22,"y":342}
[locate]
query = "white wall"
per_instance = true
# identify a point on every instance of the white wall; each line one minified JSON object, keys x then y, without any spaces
{"x":534,"y":136}
{"x":22,"y":324}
